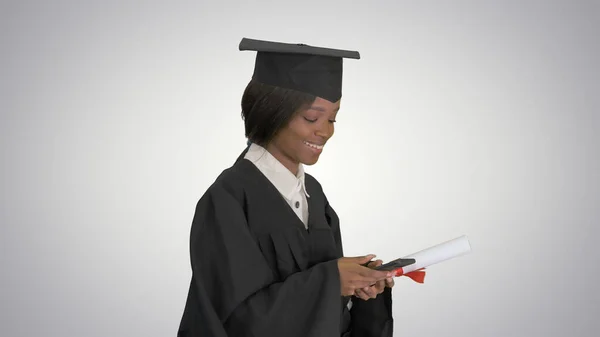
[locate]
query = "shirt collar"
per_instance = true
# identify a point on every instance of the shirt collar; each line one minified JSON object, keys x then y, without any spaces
{"x":286,"y":183}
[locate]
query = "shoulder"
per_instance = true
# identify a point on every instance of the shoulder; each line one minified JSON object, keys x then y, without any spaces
{"x":231,"y":183}
{"x":223,"y":203}
{"x":313,"y":184}
{"x":315,"y":189}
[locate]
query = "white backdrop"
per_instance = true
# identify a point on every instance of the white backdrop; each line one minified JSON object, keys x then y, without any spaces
{"x":463,"y":117}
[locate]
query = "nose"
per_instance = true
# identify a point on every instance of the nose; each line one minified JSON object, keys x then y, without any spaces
{"x":325,"y":130}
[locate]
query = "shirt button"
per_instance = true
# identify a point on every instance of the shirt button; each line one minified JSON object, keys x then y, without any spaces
{"x":297,"y":204}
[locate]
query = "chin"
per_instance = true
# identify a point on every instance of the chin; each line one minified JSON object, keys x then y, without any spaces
{"x":308,"y":157}
{"x":310,"y":161}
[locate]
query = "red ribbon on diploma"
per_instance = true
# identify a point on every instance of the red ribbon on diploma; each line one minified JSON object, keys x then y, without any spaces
{"x":416,"y":275}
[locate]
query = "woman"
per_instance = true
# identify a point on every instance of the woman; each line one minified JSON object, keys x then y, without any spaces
{"x":266,"y":250}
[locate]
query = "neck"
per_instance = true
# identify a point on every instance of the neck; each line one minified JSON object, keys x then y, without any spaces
{"x":284,"y":159}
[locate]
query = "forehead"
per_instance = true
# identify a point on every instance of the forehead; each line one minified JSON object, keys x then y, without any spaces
{"x":324,"y":105}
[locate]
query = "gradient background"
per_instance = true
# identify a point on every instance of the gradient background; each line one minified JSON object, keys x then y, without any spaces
{"x":462,"y":117}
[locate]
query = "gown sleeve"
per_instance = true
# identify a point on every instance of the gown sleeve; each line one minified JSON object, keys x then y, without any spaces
{"x":372,"y":318}
{"x":233,"y":291}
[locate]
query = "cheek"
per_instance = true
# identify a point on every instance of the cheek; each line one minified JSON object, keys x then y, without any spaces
{"x":291,"y":140}
{"x":299,"y":131}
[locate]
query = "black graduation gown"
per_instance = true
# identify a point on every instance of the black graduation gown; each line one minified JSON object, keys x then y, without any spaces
{"x":256,"y":270}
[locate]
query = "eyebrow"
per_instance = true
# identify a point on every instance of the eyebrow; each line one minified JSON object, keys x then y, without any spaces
{"x":318,"y":108}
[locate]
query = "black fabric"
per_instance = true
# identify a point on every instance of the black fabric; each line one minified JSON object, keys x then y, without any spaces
{"x":314,"y":70}
{"x":256,"y":270}
{"x":295,"y":48}
{"x":373,"y":317}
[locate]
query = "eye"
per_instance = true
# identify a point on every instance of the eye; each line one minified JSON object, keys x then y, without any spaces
{"x":310,"y":120}
{"x":332,"y":121}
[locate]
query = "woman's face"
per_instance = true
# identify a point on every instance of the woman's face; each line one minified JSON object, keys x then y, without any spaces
{"x":303,"y":139}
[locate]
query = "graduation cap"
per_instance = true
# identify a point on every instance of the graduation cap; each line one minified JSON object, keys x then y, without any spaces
{"x":309,"y":69}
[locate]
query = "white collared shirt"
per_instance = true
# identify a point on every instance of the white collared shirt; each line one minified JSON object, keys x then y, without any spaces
{"x":291,"y":187}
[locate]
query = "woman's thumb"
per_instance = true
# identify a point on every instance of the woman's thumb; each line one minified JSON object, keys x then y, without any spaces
{"x":366,"y":259}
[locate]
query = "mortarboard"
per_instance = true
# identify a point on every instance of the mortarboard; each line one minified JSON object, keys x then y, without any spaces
{"x":313,"y":70}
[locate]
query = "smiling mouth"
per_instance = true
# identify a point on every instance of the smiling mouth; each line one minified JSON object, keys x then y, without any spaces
{"x":314,"y":146}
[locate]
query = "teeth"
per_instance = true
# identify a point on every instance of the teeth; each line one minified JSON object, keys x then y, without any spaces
{"x":315,"y":146}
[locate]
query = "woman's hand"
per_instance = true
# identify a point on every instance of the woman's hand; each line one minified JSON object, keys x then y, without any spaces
{"x":354,"y":275}
{"x":367,"y":293}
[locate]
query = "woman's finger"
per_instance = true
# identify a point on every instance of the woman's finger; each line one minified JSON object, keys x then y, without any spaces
{"x":389,"y":282}
{"x":361,"y":294}
{"x":380,"y":287}
{"x":374,"y":264}
{"x":371,"y":292}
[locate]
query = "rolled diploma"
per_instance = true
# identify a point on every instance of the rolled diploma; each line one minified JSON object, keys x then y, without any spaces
{"x":438,"y":253}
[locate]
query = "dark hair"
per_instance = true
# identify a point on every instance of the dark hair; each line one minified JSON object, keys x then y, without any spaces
{"x":266,"y":109}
